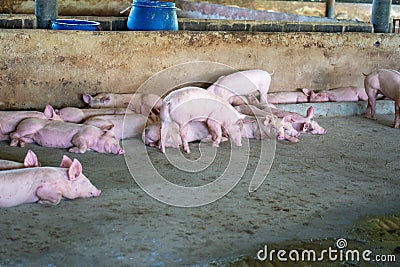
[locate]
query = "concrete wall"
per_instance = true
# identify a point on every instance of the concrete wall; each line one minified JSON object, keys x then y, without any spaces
{"x":56,"y":67}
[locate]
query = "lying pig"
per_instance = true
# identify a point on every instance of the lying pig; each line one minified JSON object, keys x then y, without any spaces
{"x":29,"y":161}
{"x":125,"y":126}
{"x":45,"y":184}
{"x":10,"y":119}
{"x":300,"y":123}
{"x":284,"y":122}
{"x":196,"y":104}
{"x":288,"y":97}
{"x":61,"y":134}
{"x":242,"y":83}
{"x":262,"y":128}
{"x":197,"y":131}
{"x":387,"y":82}
{"x":340,"y":94}
{"x":141,"y":103}
{"x":77,"y":115}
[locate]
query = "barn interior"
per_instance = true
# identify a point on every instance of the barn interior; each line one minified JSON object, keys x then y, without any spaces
{"x":343,"y":185}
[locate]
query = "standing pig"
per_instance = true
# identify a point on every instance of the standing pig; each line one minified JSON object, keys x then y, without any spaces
{"x":340,"y":94}
{"x":242,"y":83}
{"x":45,"y":184}
{"x":61,"y":134}
{"x":125,"y":126}
{"x":29,"y":161}
{"x":141,"y":103}
{"x":387,"y":82}
{"x":196,"y":104}
{"x":10,"y":119}
{"x":77,"y":115}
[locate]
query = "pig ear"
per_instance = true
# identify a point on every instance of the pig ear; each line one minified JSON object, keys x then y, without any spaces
{"x":87,"y":98}
{"x":31,"y":159}
{"x":75,"y":170}
{"x":105,"y":99}
{"x":306,"y":91}
{"x":310,"y":112}
{"x":268,"y":120}
{"x":49,"y":112}
{"x":66,"y":162}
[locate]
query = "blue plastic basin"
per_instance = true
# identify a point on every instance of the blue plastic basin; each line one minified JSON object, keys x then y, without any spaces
{"x":152,"y":16}
{"x":75,"y":24}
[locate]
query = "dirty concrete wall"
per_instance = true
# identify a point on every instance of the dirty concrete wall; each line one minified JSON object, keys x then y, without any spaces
{"x":112,"y":7}
{"x":56,"y":67}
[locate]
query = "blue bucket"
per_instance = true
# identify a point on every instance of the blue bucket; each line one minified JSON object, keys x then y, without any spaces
{"x":75,"y":24}
{"x":152,"y":16}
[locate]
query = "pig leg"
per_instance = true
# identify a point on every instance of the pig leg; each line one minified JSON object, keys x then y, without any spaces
{"x":81,"y":145}
{"x":263,"y":98}
{"x":397,"y":113}
{"x":216,"y":132}
{"x":47,"y":193}
{"x":183,"y":134}
{"x":370,"y":111}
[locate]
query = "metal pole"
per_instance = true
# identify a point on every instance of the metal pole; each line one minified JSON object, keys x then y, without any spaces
{"x":45,"y":11}
{"x":330,"y":8}
{"x":380,"y":17}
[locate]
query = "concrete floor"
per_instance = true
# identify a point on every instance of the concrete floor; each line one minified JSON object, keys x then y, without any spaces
{"x":315,"y":189}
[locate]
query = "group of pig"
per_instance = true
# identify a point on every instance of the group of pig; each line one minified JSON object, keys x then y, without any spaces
{"x":236,"y":106}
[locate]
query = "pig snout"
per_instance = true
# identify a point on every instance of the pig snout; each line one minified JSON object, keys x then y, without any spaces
{"x":94,"y":193}
{"x":280,"y":137}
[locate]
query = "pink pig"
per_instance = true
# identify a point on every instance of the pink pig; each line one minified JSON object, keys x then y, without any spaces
{"x":241,"y":83}
{"x":288,"y":97}
{"x":282,"y":124}
{"x":196,"y":104}
{"x":125,"y":126}
{"x":340,"y":94}
{"x":266,"y":127}
{"x":10,"y":119}
{"x":386,"y":82}
{"x":61,"y":134}
{"x":45,"y":184}
{"x":300,"y":123}
{"x":141,"y":103}
{"x":197,"y":131}
{"x":29,"y":161}
{"x":77,"y":115}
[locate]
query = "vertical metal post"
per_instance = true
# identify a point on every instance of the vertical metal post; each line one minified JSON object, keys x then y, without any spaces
{"x":380,"y":16}
{"x":45,"y":11}
{"x":330,"y":8}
